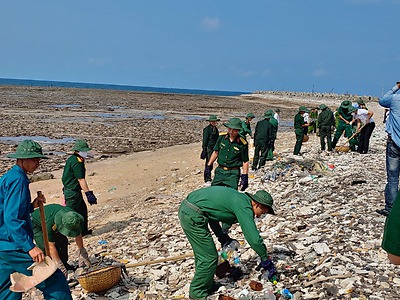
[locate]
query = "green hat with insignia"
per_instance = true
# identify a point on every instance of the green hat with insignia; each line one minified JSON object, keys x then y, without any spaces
{"x":68,"y":223}
{"x":250,"y":115}
{"x":213,"y":118}
{"x":265,"y":198}
{"x":303,"y":108}
{"x":269,"y":113}
{"x":346,"y":104}
{"x":322,"y":106}
{"x":360,"y":102}
{"x":81,"y":146}
{"x":28,"y":149}
{"x":234,"y":123}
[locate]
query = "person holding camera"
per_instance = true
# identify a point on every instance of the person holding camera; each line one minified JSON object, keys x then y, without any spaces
{"x":207,"y":207}
{"x":391,"y":101}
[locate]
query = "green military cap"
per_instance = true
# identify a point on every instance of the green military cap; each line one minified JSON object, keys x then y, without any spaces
{"x":234,"y":123}
{"x":264,"y":198}
{"x":278,"y":110}
{"x":250,"y":115}
{"x":28,"y":149}
{"x":68,"y":223}
{"x":213,"y":118}
{"x":269,"y":113}
{"x":303,"y":108}
{"x":81,"y":146}
{"x":360,"y":101}
{"x":346,"y":104}
{"x":322,"y":106}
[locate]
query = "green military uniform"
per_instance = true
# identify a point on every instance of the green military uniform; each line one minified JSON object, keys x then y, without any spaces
{"x":391,"y":234}
{"x":246,"y":126}
{"x":274,"y":123}
{"x":231,"y":156}
{"x":56,"y":232}
{"x":207,"y":207}
{"x":326,"y":121}
{"x":210,"y":136}
{"x":314,"y":121}
{"x":75,"y":169}
{"x":344,"y":110}
{"x":263,"y":137}
{"x":299,"y":129}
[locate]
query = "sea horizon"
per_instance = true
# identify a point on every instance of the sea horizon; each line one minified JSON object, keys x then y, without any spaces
{"x":119,"y":87}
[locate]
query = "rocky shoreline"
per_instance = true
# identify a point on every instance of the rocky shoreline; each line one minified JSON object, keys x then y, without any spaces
{"x":325,"y":238}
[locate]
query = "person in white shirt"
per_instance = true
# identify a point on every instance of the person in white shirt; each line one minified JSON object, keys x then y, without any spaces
{"x":364,"y":120}
{"x":276,"y":114}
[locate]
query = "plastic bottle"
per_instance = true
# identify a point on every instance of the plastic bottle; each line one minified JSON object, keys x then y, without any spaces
{"x":230,"y":252}
{"x":273,"y":279}
{"x":269,"y":295}
{"x":286,"y":294}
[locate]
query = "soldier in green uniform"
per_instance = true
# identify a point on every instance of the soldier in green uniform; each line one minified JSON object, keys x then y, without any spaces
{"x":345,"y":120}
{"x":275,"y":123}
{"x":263,"y":137}
{"x":74,"y":182}
{"x":313,"y":120}
{"x":210,"y":136}
{"x":231,"y":152}
{"x":207,"y":207}
{"x":326,"y":121}
{"x":246,"y":126}
{"x":299,"y":125}
{"x":391,"y":234}
{"x":61,"y":222}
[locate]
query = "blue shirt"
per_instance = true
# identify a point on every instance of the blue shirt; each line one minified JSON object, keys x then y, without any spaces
{"x":391,"y":100}
{"x":16,"y":231}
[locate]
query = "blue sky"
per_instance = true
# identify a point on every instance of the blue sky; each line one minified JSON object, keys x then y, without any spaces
{"x":322,"y":45}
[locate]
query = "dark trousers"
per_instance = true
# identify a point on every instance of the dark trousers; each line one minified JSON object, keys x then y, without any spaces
{"x":260,"y":156}
{"x":365,"y":135}
{"x":299,"y":141}
{"x":325,"y":132}
{"x":208,"y":177}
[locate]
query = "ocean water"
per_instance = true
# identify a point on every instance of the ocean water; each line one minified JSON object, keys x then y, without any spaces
{"x":81,"y":85}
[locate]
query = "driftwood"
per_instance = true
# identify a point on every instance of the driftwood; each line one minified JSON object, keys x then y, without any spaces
{"x":161,"y":260}
{"x":327,"y":278}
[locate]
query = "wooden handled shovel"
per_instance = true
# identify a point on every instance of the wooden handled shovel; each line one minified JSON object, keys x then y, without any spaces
{"x":43,"y":223}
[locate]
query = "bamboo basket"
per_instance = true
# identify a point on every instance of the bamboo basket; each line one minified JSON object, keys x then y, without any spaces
{"x":100,"y":280}
{"x":305,"y":138}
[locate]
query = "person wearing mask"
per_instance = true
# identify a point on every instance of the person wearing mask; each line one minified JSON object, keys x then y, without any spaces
{"x":74,"y":182}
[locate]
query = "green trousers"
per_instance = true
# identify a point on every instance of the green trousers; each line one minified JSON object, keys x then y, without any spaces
{"x":325,"y":132}
{"x":74,"y":200}
{"x":299,"y":140}
{"x":229,"y":178}
{"x":260,"y":156}
{"x":342,"y":126}
{"x":195,"y":227}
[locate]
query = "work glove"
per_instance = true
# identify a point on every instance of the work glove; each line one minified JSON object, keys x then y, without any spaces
{"x":207,"y":171}
{"x":83,"y":258}
{"x":203,"y":154}
{"x":62,"y":268}
{"x":91,"y":198}
{"x":244,"y":181}
{"x":267,"y":266}
{"x":225,"y":240}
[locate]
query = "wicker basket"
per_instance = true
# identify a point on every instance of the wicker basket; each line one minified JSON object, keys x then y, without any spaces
{"x":100,"y":280}
{"x":342,"y":148}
